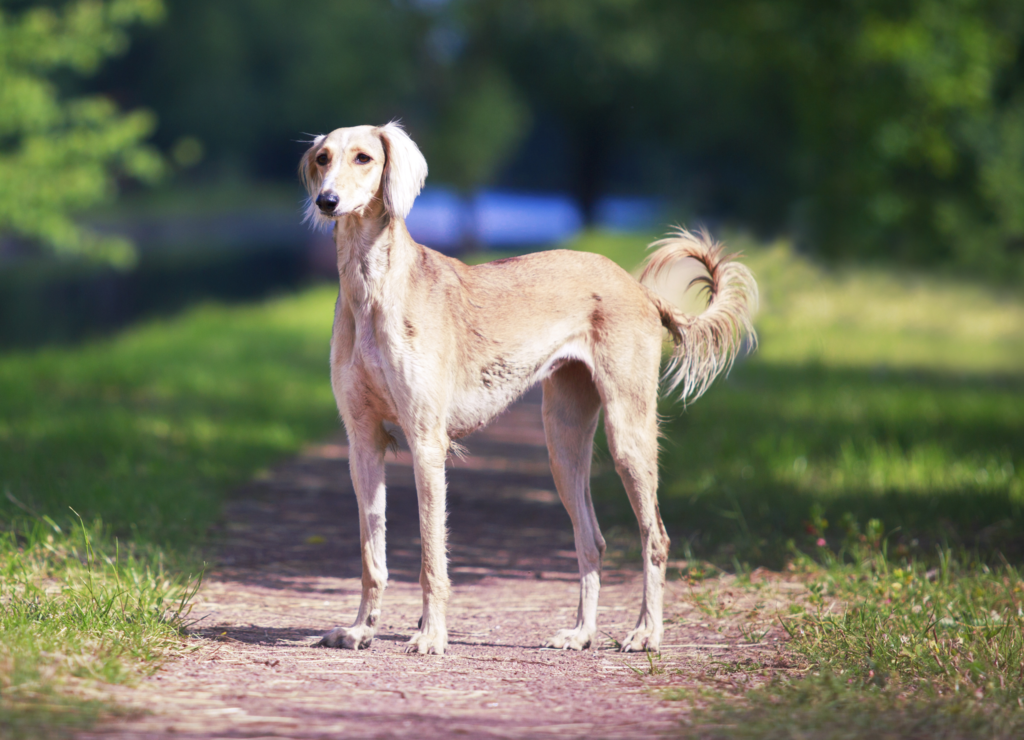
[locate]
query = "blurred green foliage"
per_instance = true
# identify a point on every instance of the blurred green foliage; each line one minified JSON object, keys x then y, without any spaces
{"x":889,"y":130}
{"x":879,"y":129}
{"x":253,"y":81}
{"x":61,"y":153}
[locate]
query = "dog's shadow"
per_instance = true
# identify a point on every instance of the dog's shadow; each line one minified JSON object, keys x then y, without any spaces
{"x":306,"y":637}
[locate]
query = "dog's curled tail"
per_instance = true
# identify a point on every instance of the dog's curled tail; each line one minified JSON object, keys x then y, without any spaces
{"x":706,"y":345}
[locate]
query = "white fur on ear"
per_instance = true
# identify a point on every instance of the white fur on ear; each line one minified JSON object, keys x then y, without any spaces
{"x":311,"y":179}
{"x":405,"y":171}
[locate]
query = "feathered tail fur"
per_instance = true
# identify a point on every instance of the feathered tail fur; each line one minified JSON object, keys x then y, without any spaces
{"x":705,"y":345}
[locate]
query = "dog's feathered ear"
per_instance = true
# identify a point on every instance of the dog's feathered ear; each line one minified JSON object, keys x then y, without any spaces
{"x":309,"y":175}
{"x":308,"y":172}
{"x":404,"y":172}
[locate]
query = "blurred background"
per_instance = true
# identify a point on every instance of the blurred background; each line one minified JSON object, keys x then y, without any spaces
{"x":160,"y":137}
{"x":868,"y":157}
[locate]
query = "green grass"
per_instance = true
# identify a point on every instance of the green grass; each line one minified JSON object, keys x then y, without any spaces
{"x":875,"y":440}
{"x":954,"y":629}
{"x":78,"y":610}
{"x":828,"y":710}
{"x":892,"y":651}
{"x":143,"y":435}
{"x":148,"y":430}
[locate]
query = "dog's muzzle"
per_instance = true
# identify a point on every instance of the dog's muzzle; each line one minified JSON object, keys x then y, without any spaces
{"x":327,"y":202}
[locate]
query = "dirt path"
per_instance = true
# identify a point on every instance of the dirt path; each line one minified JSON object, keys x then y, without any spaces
{"x":289,"y":571}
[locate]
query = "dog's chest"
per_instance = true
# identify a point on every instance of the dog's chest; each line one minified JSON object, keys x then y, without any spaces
{"x":360,"y":369}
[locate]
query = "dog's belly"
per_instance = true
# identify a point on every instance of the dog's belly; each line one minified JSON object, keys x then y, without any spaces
{"x":479,"y":406}
{"x":502,"y":381}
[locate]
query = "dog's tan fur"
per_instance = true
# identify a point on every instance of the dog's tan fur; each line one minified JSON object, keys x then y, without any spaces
{"x":439,"y":348}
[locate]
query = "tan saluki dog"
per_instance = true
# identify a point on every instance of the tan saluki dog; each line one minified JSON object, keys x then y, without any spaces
{"x":439,"y":348}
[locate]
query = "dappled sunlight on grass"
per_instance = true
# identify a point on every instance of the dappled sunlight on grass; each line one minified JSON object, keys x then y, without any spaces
{"x":148,"y":429}
{"x":874,"y":318}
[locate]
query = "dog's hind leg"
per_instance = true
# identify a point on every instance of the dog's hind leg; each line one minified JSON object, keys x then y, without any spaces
{"x":571,"y":406}
{"x":366,"y":464}
{"x":632,"y":427}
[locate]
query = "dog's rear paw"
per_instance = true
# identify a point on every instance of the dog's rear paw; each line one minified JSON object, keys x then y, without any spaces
{"x":642,"y":639}
{"x":427,"y":643}
{"x":574,"y":639}
{"x":349,"y":638}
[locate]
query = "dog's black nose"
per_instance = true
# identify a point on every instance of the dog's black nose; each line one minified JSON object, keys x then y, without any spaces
{"x":327,"y":201}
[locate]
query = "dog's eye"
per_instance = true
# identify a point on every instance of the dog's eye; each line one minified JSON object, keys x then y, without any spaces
{"x":323,"y":158}
{"x":363,"y":158}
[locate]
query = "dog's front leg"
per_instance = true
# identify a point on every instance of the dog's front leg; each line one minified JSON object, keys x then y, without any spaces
{"x":366,"y":464}
{"x":428,"y":460}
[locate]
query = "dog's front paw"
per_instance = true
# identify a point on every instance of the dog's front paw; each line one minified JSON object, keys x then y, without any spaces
{"x":643,"y":638}
{"x":574,"y":639}
{"x":428,"y":642}
{"x":349,"y":638}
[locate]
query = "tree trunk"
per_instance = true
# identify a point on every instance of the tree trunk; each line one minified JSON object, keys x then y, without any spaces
{"x":592,"y":152}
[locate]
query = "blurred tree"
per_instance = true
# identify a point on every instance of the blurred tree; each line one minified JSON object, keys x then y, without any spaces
{"x":870,"y":128}
{"x":905,"y":117}
{"x":587,"y":64}
{"x":251,"y":80}
{"x":60,"y":154}
{"x":476,"y":119}
{"x":951,"y":147}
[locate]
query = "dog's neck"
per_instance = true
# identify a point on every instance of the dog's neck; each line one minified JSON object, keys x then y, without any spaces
{"x":371,"y":248}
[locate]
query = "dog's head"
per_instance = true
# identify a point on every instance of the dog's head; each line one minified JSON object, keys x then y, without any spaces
{"x":349,"y":169}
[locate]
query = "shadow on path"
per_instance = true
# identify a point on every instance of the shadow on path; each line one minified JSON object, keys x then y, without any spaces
{"x":504,"y":517}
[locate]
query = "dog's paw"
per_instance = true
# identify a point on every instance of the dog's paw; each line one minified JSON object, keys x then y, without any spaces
{"x":349,"y":638}
{"x":428,"y":642}
{"x":642,"y":639}
{"x":574,"y":639}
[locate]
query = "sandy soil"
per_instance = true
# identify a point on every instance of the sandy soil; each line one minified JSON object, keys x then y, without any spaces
{"x":288,"y":571}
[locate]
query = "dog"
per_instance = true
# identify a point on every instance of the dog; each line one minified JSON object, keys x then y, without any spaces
{"x":440,"y":348}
